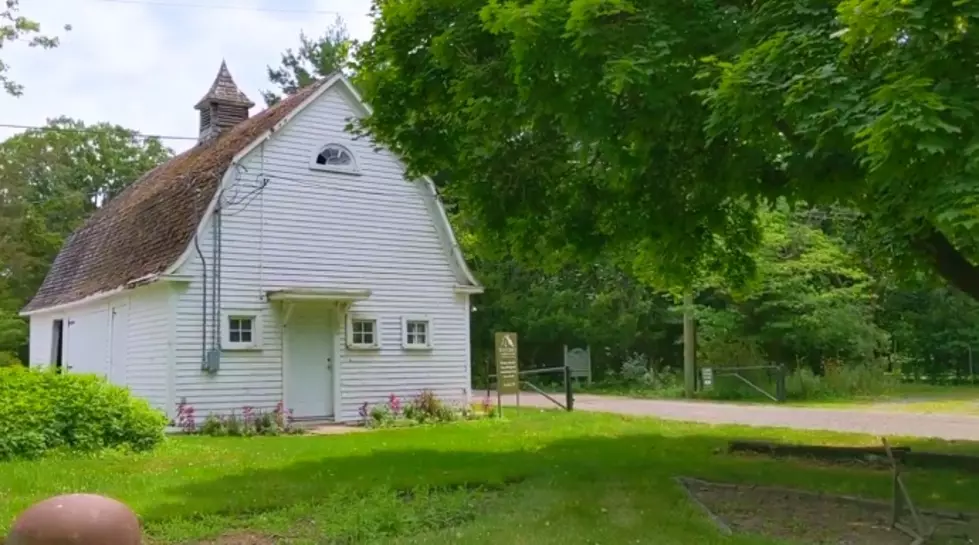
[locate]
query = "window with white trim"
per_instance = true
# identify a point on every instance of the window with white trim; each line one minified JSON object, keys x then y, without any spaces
{"x":335,"y":158}
{"x":416,"y":332}
{"x":241,"y":331}
{"x":362,"y":332}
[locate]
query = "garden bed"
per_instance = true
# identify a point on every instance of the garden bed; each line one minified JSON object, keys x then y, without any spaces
{"x":810,"y":518}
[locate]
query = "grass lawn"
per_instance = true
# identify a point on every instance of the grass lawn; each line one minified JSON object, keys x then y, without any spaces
{"x":537,"y":478}
{"x":906,"y":397}
{"x":913,"y":398}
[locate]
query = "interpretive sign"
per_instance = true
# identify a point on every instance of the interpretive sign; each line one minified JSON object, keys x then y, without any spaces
{"x":507,"y":370}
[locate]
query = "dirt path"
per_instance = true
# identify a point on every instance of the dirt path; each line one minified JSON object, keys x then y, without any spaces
{"x":944,"y":426}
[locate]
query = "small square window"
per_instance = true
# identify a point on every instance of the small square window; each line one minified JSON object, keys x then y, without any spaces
{"x":241,"y":332}
{"x":362,"y":333}
{"x":416,"y":333}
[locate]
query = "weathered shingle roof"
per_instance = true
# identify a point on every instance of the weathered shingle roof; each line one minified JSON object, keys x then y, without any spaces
{"x":146,"y":228}
{"x":224,"y":89}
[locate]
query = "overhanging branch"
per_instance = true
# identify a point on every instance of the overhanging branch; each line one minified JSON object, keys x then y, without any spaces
{"x":948,"y":261}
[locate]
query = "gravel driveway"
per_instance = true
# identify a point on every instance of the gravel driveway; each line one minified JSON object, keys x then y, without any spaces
{"x":948,"y":426}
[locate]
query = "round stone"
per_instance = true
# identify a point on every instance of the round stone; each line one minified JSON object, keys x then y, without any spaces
{"x":76,"y":519}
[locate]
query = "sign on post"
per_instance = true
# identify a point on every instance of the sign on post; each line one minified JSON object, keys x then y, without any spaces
{"x":579,"y":360}
{"x":707,"y":376}
{"x":507,"y":370}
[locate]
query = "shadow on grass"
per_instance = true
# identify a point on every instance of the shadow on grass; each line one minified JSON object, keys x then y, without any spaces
{"x":573,"y":463}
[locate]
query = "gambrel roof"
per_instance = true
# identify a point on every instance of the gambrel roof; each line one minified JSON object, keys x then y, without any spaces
{"x":146,"y":230}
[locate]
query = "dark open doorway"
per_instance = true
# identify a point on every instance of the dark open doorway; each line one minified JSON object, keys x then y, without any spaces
{"x":57,"y":344}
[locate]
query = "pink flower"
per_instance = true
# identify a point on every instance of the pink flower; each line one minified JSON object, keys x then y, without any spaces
{"x":395,"y":404}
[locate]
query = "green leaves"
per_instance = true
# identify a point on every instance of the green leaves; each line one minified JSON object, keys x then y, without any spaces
{"x":51,"y":179}
{"x":648,"y":133}
{"x":314,"y":59}
{"x":13,"y":28}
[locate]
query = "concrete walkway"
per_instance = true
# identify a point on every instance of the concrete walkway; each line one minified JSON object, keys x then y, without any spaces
{"x":943,"y":426}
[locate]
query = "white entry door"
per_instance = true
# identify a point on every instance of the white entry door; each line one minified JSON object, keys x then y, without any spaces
{"x":309,"y":360}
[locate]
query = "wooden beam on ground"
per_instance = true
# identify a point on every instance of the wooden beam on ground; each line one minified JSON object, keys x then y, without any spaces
{"x":829,"y":452}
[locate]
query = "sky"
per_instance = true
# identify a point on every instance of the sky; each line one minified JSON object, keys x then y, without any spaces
{"x":143,"y":64}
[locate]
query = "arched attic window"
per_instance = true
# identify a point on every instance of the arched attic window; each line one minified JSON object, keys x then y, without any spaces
{"x":335,"y":158}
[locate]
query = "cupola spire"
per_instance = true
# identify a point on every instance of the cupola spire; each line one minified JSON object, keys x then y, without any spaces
{"x":223,"y":107}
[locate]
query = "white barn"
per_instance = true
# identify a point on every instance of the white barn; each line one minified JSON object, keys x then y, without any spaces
{"x":279,"y":259}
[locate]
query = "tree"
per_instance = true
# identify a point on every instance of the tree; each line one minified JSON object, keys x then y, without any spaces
{"x":13,"y":28}
{"x":314,"y":59}
{"x":51,"y":180}
{"x":812,"y":301}
{"x":653,"y":131}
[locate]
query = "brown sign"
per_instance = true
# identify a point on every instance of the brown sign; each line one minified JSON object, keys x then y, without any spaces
{"x":507,"y":370}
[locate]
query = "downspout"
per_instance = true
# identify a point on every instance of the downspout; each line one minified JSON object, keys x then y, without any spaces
{"x":215,"y":241}
{"x":217,"y":291}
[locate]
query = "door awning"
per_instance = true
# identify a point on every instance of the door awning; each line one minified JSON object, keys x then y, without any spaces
{"x":313,"y":294}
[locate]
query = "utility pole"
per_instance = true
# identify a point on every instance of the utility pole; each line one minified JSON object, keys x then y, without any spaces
{"x":689,"y":347}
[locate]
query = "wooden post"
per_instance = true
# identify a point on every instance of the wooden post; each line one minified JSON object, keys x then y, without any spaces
{"x":689,"y":347}
{"x":902,"y":498}
{"x":780,"y":386}
{"x":568,"y":390}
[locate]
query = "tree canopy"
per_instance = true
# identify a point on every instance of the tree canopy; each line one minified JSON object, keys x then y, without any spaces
{"x":314,"y":59}
{"x":13,"y":28}
{"x":51,"y":180}
{"x":653,"y":132}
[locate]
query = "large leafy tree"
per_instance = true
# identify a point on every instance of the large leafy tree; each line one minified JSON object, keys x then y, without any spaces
{"x":17,"y":28}
{"x":51,"y":179}
{"x":651,"y":131}
{"x":313,"y":59}
{"x":812,"y":300}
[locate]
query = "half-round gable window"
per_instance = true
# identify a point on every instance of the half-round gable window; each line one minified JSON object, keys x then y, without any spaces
{"x":334,"y":157}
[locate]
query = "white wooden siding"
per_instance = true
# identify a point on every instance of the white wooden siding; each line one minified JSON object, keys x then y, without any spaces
{"x":314,"y":229}
{"x":148,"y":345}
{"x":41,"y":327}
{"x":252,"y":379}
{"x":133,"y":353}
{"x":118,"y":340}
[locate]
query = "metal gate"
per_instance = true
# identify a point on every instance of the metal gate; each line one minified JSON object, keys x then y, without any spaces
{"x":567,"y":404}
{"x":775,"y":375}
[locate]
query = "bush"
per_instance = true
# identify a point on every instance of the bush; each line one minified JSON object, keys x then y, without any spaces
{"x":635,"y":368}
{"x":41,"y":411}
{"x":9,"y":359}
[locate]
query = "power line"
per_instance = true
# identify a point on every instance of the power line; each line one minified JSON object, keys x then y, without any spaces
{"x":221,"y":6}
{"x":91,"y":129}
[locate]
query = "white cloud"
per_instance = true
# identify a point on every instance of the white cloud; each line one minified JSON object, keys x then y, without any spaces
{"x":144,"y":66}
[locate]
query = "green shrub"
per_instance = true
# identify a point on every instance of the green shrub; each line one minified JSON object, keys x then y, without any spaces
{"x":9,"y":359}
{"x":42,"y":411}
{"x":838,"y":381}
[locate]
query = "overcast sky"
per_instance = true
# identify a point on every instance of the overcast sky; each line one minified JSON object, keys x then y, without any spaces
{"x":143,"y":64}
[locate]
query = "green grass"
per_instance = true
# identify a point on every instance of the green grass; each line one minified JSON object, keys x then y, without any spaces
{"x":905,"y":397}
{"x":912,"y":398}
{"x":538,"y":478}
